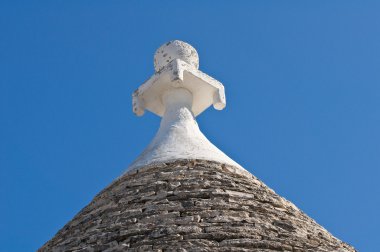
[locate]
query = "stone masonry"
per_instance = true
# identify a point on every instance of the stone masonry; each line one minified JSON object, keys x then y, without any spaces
{"x":191,"y":205}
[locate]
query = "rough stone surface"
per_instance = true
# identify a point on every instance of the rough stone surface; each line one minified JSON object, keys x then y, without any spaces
{"x":191,"y":205}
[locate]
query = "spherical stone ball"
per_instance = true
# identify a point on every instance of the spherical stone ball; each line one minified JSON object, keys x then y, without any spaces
{"x":175,"y":49}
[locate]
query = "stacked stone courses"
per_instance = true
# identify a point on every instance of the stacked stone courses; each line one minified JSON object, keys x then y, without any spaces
{"x":191,"y":205}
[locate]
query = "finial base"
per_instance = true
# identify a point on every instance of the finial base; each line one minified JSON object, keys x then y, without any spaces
{"x":179,"y":136}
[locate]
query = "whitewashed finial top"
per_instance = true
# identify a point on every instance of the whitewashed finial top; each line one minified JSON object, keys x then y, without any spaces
{"x":175,"y":49}
{"x":176,"y":66}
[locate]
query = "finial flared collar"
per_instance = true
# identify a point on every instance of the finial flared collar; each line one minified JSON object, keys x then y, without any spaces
{"x":176,"y":65}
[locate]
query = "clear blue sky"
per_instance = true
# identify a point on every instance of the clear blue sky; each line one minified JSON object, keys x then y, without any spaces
{"x":303,"y":103}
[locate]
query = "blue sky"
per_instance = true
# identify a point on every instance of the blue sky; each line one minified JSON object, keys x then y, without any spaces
{"x":302,"y":82}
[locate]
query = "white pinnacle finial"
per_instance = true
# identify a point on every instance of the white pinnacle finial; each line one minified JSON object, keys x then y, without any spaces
{"x":176,"y":64}
{"x":178,"y":92}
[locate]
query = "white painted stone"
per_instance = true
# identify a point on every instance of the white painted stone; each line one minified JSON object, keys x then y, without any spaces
{"x":178,"y":92}
{"x":175,"y":50}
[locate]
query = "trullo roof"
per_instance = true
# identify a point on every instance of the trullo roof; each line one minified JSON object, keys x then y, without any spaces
{"x":183,"y":193}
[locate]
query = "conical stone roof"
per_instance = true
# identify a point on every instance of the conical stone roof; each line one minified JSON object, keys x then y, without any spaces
{"x":183,"y":193}
{"x":191,"y":205}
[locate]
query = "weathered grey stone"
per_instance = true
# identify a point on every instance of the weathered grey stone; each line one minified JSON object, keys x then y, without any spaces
{"x":191,"y":205}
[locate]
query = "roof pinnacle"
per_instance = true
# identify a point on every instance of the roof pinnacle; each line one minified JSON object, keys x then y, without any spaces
{"x":178,"y":92}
